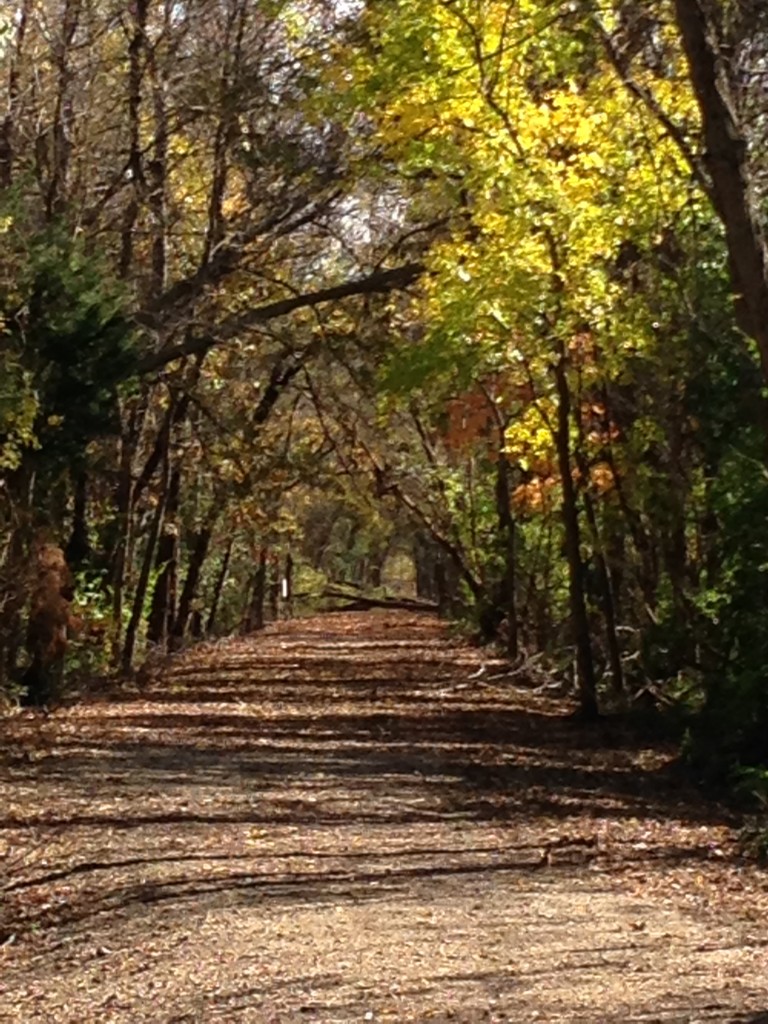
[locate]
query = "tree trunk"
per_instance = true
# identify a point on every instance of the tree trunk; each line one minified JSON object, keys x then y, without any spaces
{"x":507,"y":529}
{"x":196,"y":560}
{"x":437,"y":576}
{"x":78,"y":547}
{"x":377,"y":559}
{"x":585,"y":668}
{"x":727,"y":161}
{"x":603,"y":573}
{"x":15,"y":581}
{"x":8,"y":123}
{"x":157,"y":185}
{"x":449,"y":550}
{"x":61,"y":131}
{"x":142,"y":584}
{"x":218,"y":588}
{"x":605,"y":583}
{"x":648,"y":568}
{"x":424,"y":561}
{"x":166,"y":561}
{"x":119,"y":546}
{"x":273,"y":589}
{"x":254,"y":615}
{"x":131,"y":632}
{"x":287,"y":587}
{"x":135,"y":161}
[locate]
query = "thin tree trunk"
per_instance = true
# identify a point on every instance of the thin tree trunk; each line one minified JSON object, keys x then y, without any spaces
{"x":142,"y":585}
{"x":585,"y":669}
{"x":122,"y":550}
{"x":605,"y":584}
{"x":135,"y":162}
{"x":79,"y":546}
{"x":424,"y":565}
{"x":505,"y":599}
{"x":63,"y":119}
{"x":604,"y":577}
{"x":174,"y":415}
{"x":166,"y":561}
{"x":188,"y":591}
{"x":448,"y":547}
{"x":218,"y":588}
{"x":439,"y":585}
{"x":15,"y":567}
{"x":227,"y":127}
{"x":157,"y":170}
{"x":273,"y":589}
{"x":287,"y":585}
{"x":508,"y":532}
{"x":648,"y":572}
{"x":254,"y":616}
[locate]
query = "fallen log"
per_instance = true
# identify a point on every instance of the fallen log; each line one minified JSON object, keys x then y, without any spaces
{"x":362,"y":602}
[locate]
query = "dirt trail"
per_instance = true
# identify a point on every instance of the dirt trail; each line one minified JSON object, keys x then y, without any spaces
{"x":335,"y":822}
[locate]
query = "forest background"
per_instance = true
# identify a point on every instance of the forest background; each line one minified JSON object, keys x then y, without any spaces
{"x":466,"y":298}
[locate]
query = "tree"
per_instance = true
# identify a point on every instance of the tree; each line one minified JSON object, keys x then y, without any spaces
{"x":476,"y":306}
{"x":728,"y":162}
{"x":179,"y":200}
{"x":508,"y":117}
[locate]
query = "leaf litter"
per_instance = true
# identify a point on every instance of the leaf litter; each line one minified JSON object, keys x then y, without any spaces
{"x":340,"y":819}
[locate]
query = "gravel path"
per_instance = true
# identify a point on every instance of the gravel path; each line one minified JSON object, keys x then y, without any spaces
{"x":334,"y":821}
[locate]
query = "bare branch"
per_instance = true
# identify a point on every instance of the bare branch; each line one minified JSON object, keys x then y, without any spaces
{"x":379,"y":282}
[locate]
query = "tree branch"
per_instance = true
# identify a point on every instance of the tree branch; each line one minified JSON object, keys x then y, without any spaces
{"x":380,"y":282}
{"x":646,"y":97}
{"x":227,"y":256}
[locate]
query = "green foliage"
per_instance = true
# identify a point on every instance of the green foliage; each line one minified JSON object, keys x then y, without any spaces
{"x":88,"y":650}
{"x":68,"y":345}
{"x":733,"y":726}
{"x":18,"y":410}
{"x":442,"y":354}
{"x":727,"y":632}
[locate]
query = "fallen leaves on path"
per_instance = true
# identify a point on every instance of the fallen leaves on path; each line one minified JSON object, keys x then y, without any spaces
{"x":339,"y":820}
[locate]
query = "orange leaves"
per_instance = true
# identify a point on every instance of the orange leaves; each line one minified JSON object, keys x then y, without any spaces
{"x":479,"y":415}
{"x":602,"y":478}
{"x":538,"y":495}
{"x":470,"y":419}
{"x":541,"y":493}
{"x":583,"y":348}
{"x":598,"y":428}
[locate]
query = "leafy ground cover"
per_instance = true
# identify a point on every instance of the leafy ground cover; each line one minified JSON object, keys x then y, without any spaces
{"x":339,"y":819}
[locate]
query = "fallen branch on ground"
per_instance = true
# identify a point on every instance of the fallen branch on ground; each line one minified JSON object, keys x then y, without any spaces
{"x":361,"y":602}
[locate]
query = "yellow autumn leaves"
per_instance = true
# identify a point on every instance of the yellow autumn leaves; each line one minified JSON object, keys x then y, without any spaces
{"x":514,"y":116}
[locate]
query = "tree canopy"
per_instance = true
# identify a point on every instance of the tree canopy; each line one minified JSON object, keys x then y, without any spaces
{"x":463,"y":299}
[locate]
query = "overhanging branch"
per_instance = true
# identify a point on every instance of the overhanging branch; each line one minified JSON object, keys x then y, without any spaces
{"x":380,"y":282}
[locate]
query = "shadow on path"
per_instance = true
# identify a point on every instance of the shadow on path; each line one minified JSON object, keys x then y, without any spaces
{"x":353,"y":737}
